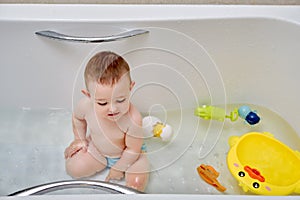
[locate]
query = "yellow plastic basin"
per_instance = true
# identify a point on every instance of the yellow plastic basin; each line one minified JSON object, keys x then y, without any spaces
{"x":264,"y":165}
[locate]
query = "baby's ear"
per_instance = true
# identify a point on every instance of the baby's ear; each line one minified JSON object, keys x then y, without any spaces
{"x":86,"y":93}
{"x":132,"y":85}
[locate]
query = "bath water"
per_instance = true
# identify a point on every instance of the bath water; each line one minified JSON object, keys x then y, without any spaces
{"x":32,"y":144}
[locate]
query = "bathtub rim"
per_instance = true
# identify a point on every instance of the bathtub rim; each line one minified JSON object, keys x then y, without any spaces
{"x":155,"y":196}
{"x":57,"y":12}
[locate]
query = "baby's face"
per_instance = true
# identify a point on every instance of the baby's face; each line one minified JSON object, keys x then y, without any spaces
{"x":111,"y":101}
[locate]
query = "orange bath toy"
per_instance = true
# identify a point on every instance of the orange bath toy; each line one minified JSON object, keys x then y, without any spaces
{"x":210,"y":175}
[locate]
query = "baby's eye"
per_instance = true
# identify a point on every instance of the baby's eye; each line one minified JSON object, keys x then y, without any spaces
{"x":102,"y":103}
{"x":121,"y":100}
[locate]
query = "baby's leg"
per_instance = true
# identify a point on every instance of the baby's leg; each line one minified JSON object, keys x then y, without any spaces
{"x":83,"y":164}
{"x":137,"y":174}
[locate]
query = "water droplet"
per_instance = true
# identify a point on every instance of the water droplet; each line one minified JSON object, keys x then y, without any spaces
{"x":26,"y":108}
{"x":171,"y":189}
{"x":36,"y":149}
{"x":183,"y":181}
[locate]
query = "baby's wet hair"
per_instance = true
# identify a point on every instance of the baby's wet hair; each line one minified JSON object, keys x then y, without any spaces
{"x":106,"y":68}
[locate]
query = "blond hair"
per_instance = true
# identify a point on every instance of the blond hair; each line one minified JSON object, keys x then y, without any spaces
{"x":106,"y":68}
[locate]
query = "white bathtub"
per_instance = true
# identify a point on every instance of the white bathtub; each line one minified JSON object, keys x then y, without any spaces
{"x":192,"y":55}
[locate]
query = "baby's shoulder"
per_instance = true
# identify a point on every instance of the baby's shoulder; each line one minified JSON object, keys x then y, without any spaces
{"x":82,"y":107}
{"x":135,"y":115}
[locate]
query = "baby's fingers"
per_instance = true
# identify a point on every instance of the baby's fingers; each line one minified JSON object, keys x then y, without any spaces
{"x":84,"y":148}
{"x":71,"y":150}
{"x":68,"y":153}
{"x":76,"y":146}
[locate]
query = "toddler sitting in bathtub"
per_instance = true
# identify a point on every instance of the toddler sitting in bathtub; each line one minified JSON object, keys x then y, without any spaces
{"x":115,"y":138}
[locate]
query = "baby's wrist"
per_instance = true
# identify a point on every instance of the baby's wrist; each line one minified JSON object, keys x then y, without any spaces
{"x":80,"y":139}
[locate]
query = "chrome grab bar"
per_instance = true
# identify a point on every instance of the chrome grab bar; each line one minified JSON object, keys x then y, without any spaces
{"x":60,"y":185}
{"x":69,"y":38}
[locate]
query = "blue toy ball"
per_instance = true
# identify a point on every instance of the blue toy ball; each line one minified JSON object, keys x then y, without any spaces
{"x":252,"y":118}
{"x":249,"y":116}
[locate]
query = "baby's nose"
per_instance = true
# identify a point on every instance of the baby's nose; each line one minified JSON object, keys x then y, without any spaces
{"x":113,"y":108}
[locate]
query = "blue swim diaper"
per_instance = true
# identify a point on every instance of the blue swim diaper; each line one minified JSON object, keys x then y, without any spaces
{"x":112,"y":161}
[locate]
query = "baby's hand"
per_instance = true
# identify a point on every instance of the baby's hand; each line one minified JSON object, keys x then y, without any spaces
{"x":76,"y":146}
{"x":114,"y":174}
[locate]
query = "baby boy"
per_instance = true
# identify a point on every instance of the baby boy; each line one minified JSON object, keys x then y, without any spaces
{"x":115,"y":136}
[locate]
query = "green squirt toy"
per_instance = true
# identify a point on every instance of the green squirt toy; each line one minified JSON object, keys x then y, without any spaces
{"x":216,"y":113}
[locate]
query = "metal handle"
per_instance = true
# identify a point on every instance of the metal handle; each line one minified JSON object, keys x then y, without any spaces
{"x":55,"y":186}
{"x":60,"y":36}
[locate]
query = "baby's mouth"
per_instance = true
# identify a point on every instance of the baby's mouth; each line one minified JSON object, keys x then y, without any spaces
{"x":113,"y":114}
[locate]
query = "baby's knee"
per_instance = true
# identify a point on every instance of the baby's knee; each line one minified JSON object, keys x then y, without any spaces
{"x":78,"y":168}
{"x":74,"y":169}
{"x":83,"y":165}
{"x":137,"y":181}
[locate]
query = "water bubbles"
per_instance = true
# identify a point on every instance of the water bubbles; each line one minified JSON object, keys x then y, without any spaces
{"x":36,"y":150}
{"x":171,"y":189}
{"x":26,"y":109}
{"x":183,"y":181}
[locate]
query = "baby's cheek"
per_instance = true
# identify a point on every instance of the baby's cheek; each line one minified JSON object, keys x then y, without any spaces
{"x":125,"y":106}
{"x":99,"y":109}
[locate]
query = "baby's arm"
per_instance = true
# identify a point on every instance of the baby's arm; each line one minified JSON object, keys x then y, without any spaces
{"x":78,"y":119}
{"x":130,"y":153}
{"x":79,"y":129}
{"x":133,"y":142}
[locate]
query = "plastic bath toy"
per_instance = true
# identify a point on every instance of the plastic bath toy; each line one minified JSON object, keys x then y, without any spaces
{"x":216,"y":113}
{"x":264,"y":165}
{"x":248,"y":115}
{"x":153,"y":127}
{"x":210,"y":175}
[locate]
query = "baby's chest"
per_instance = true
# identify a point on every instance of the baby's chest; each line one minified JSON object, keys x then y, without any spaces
{"x":113,"y":133}
{"x":106,"y":131}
